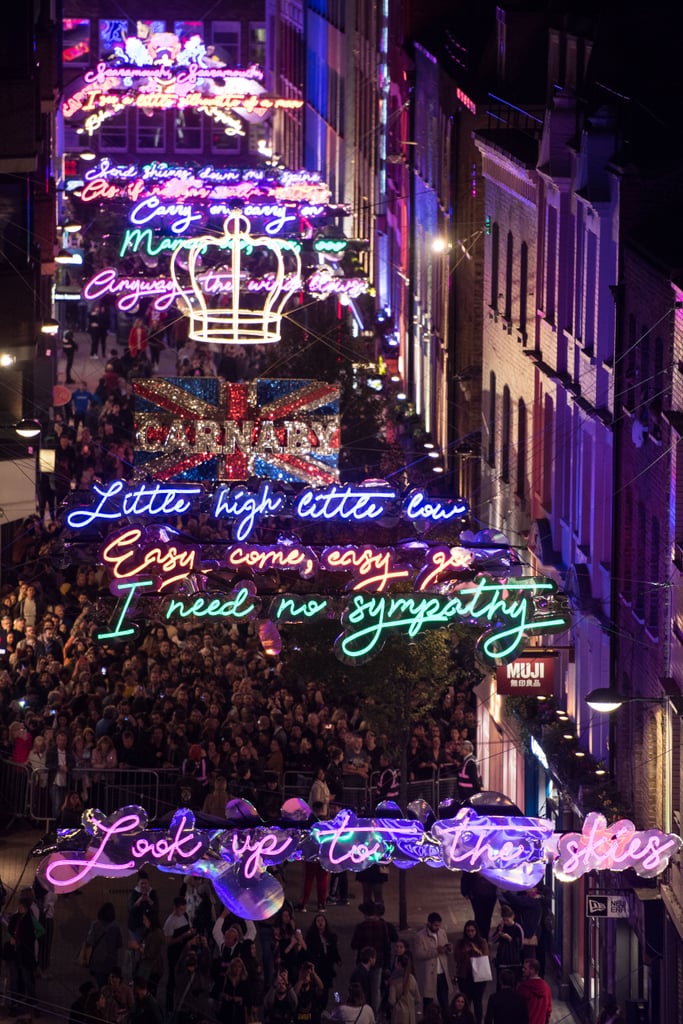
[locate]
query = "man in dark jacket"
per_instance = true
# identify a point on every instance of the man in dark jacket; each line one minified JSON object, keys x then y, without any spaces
{"x":506,"y":1006}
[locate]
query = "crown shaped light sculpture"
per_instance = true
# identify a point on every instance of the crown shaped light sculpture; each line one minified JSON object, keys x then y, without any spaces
{"x":226,"y":303}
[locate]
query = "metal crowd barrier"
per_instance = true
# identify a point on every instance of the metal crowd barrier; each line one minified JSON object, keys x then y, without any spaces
{"x":27,"y":795}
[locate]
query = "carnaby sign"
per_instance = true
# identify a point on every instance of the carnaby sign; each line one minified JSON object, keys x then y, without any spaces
{"x":526,"y":675}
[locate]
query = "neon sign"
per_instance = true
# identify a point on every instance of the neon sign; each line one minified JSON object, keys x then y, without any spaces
{"x":506,"y":609}
{"x":165,"y":292}
{"x":350,"y":503}
{"x":110,"y":89}
{"x":600,"y":847}
{"x":509,"y":851}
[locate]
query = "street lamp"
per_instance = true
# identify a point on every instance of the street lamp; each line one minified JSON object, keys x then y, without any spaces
{"x":607,"y":699}
{"x":28,"y":428}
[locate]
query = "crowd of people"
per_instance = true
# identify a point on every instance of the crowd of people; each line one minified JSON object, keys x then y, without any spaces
{"x":196,"y":963}
{"x":205,"y":707}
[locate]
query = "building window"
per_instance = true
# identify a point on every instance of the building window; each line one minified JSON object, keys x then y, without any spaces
{"x":548,"y":452}
{"x":550,"y":263}
{"x":76,"y":41}
{"x":151,"y":131}
{"x":257,"y":42}
{"x":492,"y":419}
{"x":185,"y":30}
{"x":508,"y":277}
{"x":644,"y":369}
{"x":113,"y":33}
{"x":638,"y":568}
{"x":188,"y":130}
{"x":523,"y":286}
{"x":627,"y":584}
{"x":653,"y":583}
{"x":226,"y":36}
{"x":257,"y":137}
{"x":495,"y":264}
{"x":505,"y":436}
{"x":225,"y":144}
{"x":591,"y":290}
{"x":113,"y":135}
{"x":501,"y":41}
{"x":521,"y":448}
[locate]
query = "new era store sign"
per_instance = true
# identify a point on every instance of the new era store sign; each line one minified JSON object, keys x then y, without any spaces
{"x":526,"y":675}
{"x":607,"y":906}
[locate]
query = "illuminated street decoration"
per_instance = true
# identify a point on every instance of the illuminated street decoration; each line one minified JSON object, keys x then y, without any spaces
{"x":616,"y":847}
{"x":164,"y":291}
{"x":245,"y":509}
{"x":512,"y":852}
{"x":207,"y":429}
{"x":507,"y":610}
{"x":186,"y":80}
{"x":235,"y":322}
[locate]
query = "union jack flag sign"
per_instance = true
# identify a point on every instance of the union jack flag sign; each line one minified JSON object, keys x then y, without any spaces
{"x":204,"y":429}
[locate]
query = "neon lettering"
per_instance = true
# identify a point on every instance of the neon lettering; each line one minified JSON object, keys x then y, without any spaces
{"x":288,"y":608}
{"x":125,"y":559}
{"x":144,"y":500}
{"x":236,"y":608}
{"x":615,"y":847}
{"x":262,"y":558}
{"x":246,"y":507}
{"x":373,"y":568}
{"x":129,"y":590}
{"x":344,"y":503}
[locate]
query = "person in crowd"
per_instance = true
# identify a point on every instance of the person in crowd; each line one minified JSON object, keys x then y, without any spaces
{"x":178,"y":931}
{"x":70,"y":813}
{"x":280,"y":1002}
{"x":23,"y":963}
{"x":405,"y":1001}
{"x":231,"y":993}
{"x":432,"y":952}
{"x":118,"y":998}
{"x":354,"y":1009}
{"x":150,"y":947}
{"x":193,"y":984}
{"x":610,"y":1013}
{"x":537,"y":993}
{"x":323,"y":952}
{"x":506,"y":1006}
{"x":146,"y":1009}
{"x":482,"y":895}
{"x":460,"y":1011}
{"x":81,"y":1008}
{"x":141,"y":900}
{"x":469,"y":782}
{"x":104,"y":942}
{"x":471,"y":945}
{"x":508,"y":938}
{"x":362,"y":973}
{"x":309,"y":995}
{"x":373,"y":933}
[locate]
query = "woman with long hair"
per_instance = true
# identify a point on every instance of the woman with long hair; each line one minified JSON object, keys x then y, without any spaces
{"x":404,"y":994}
{"x":472,"y":944}
{"x":231,"y":993}
{"x":323,"y":952}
